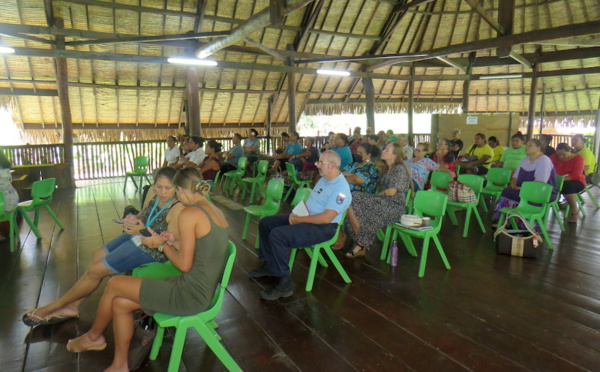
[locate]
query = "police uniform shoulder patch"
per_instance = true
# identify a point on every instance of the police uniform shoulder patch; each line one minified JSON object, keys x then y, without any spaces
{"x":340,"y":198}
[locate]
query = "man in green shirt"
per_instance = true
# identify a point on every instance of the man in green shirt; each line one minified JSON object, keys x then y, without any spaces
{"x":578,"y":143}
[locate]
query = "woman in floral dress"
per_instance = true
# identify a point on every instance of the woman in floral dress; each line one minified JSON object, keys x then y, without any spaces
{"x":11,"y":198}
{"x":369,"y":213}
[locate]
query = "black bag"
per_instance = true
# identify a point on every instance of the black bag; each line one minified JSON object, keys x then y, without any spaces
{"x":520,"y":243}
{"x":144,"y":332}
{"x":130,"y":209}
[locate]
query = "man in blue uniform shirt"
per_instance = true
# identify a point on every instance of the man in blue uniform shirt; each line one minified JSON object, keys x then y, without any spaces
{"x":328,"y":201}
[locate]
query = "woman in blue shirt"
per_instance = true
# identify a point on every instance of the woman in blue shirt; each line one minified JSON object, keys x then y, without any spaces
{"x":341,"y":147}
{"x":363,"y":174}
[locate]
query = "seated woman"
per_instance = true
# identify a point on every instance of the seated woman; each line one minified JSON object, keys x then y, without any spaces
{"x":211,"y":163}
{"x":369,"y":213}
{"x":420,"y":166}
{"x":478,"y":157}
{"x":307,"y":158}
{"x":200,"y":252}
{"x":121,"y":254}
{"x":498,"y":150}
{"x":363,"y":174}
{"x":251,"y":146}
{"x":11,"y":198}
{"x":292,"y":148}
{"x":444,"y":157}
{"x":535,"y":167}
{"x":515,"y":153}
{"x":570,"y":165}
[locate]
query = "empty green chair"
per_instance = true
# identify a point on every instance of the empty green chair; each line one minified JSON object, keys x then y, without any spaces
{"x":269,"y":208}
{"x":315,"y":253}
{"x":203,"y":323}
{"x":301,"y":195}
{"x":140,"y":169}
{"x":476,"y":183}
{"x":233,"y":178}
{"x":256,"y":182}
{"x":533,"y":193}
{"x":156,"y":270}
{"x":428,"y":204}
{"x":497,"y":180}
{"x":553,"y":205}
{"x":295,"y":183}
{"x":439,"y":181}
{"x":41,"y":194}
{"x":11,"y":217}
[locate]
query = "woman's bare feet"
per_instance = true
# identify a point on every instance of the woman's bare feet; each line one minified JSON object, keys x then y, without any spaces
{"x":358,"y":251}
{"x":86,"y":342}
{"x":341,"y":241}
{"x":573,"y":216}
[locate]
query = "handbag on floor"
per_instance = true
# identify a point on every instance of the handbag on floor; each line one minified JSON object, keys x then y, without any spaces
{"x":519,"y":243}
{"x":144,"y":332}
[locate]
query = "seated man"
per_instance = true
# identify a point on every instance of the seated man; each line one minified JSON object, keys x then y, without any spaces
{"x":233,"y":156}
{"x":194,"y":156}
{"x":292,"y":148}
{"x":328,"y":200}
{"x":172,"y":154}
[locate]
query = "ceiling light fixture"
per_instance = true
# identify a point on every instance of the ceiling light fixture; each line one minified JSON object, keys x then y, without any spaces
{"x":191,"y":61}
{"x":494,"y":77}
{"x":333,"y":72}
{"x":6,"y":50}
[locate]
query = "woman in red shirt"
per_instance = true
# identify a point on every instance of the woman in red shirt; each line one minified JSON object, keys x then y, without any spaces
{"x":570,"y":165}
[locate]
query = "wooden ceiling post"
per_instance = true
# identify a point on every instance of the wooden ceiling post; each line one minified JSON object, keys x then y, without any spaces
{"x":542,"y":107}
{"x":532,"y":97}
{"x":370,"y":106}
{"x":467,"y":83}
{"x":193,"y":107}
{"x":62,"y":86}
{"x":292,"y":97}
{"x":597,"y":133}
{"x":411,"y":103}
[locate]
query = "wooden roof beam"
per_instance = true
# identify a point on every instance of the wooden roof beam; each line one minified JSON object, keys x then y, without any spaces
{"x":452,"y":63}
{"x":144,"y":39}
{"x":579,"y":29}
{"x":481,"y":11}
{"x":256,"y":22}
{"x":28,"y":92}
{"x":266,"y":49}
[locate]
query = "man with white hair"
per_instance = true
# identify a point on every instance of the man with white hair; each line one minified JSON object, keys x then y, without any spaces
{"x":328,"y":201}
{"x":456,"y":143}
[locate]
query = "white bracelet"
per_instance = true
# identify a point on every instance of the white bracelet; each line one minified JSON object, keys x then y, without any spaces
{"x":160,"y":247}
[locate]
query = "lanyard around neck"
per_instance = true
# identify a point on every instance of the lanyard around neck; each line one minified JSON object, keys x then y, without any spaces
{"x":151,"y":216}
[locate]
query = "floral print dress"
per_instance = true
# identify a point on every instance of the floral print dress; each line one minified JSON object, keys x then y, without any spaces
{"x":375,"y":212}
{"x":368,"y":172}
{"x":11,"y":198}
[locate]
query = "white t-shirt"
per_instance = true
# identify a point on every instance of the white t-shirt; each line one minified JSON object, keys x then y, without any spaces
{"x":197,"y":156}
{"x":171,"y":155}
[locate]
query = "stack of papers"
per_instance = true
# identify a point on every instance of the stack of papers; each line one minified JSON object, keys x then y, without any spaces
{"x":420,"y":228}
{"x":301,"y":210}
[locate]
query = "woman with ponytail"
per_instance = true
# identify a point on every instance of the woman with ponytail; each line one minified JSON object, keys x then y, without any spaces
{"x":200,"y":254}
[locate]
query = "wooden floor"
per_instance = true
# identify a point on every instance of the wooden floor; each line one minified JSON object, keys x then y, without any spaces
{"x":489,"y":313}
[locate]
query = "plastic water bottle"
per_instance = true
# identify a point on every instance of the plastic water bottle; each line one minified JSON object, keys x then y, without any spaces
{"x":394,"y":253}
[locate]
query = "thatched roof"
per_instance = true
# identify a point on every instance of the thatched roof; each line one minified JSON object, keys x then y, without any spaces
{"x":124,"y":80}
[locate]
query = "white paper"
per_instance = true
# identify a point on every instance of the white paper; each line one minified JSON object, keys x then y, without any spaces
{"x":301,"y":210}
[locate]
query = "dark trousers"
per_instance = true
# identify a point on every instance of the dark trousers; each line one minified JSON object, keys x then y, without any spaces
{"x":277,"y":236}
{"x":226,"y":167}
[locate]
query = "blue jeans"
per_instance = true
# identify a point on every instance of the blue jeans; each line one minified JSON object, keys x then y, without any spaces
{"x":122,"y":255}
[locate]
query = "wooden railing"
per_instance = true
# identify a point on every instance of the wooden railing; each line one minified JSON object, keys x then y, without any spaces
{"x":113,"y":159}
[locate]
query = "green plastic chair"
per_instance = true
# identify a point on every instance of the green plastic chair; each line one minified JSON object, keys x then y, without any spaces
{"x":41,"y":194}
{"x":512,"y":164}
{"x":316,"y":256}
{"x":140,"y":169}
{"x":428,"y":204}
{"x":11,"y":217}
{"x":156,"y":270}
{"x":234,"y":178}
{"x":439,"y":181}
{"x":302,"y":194}
{"x":553,"y":205}
{"x":269,"y":208}
{"x":537,"y":193}
{"x":476,"y":183}
{"x":256,"y":182}
{"x":580,"y":201}
{"x":295,"y":183}
{"x":497,"y":180}
{"x":203,"y":323}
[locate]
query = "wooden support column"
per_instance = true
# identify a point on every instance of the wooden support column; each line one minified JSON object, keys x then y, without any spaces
{"x":411,"y":102}
{"x":542,"y":107}
{"x":193,"y":106}
{"x":62,"y":86}
{"x":270,"y":104}
{"x":597,"y":134}
{"x":532,"y":97}
{"x":370,"y":106}
{"x":292,"y":98}
{"x":467,"y":83}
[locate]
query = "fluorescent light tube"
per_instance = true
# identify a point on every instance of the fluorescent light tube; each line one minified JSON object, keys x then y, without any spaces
{"x":6,"y":50}
{"x":191,"y":61}
{"x":333,"y":72}
{"x":494,"y":77}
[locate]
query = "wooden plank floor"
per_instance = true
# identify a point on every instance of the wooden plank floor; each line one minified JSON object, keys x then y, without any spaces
{"x":489,"y":313}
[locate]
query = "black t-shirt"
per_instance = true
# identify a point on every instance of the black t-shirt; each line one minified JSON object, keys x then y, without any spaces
{"x":458,"y":142}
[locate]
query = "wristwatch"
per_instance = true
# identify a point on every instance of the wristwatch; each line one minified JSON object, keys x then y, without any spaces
{"x":160,"y":247}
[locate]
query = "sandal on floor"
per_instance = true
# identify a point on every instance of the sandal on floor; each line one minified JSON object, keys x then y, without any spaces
{"x":360,"y":253}
{"x":32,"y":320}
{"x":573,"y":217}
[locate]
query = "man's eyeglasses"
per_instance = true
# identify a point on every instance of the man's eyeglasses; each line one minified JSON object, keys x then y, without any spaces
{"x":322,"y":162}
